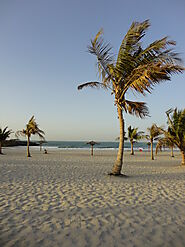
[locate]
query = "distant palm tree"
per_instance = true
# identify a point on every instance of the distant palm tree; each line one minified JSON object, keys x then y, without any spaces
{"x":134,"y":135}
{"x":154,"y":133}
{"x":165,"y":142}
{"x":4,"y":134}
{"x":137,"y":69}
{"x":175,"y":134}
{"x":31,"y":129}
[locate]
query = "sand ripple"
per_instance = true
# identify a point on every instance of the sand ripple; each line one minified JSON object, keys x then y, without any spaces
{"x":65,"y":198}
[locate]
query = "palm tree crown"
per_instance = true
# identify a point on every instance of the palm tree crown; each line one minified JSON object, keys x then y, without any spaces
{"x":136,"y":68}
{"x":134,"y":134}
{"x":4,"y":134}
{"x":32,"y":129}
{"x":154,"y":132}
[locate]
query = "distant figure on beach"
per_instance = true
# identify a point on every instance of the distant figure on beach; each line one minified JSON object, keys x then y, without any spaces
{"x":45,"y":151}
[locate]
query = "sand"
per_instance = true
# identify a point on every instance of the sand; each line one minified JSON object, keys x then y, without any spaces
{"x":65,"y":198}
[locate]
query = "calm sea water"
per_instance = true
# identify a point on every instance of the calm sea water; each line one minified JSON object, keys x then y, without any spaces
{"x":100,"y":145}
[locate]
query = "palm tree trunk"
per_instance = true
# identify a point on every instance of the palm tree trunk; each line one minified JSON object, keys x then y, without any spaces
{"x":132,"y":148}
{"x":1,"y":148}
{"x":172,"y":154}
{"x":28,"y":147}
{"x":116,"y":170}
{"x":183,"y":157}
{"x":149,"y":144}
{"x":152,"y":152}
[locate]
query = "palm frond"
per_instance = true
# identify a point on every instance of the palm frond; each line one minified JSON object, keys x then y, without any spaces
{"x":5,"y":133}
{"x":154,"y":132}
{"x":145,"y":77}
{"x":158,"y":51}
{"x":103,"y":53}
{"x":20,"y":133}
{"x":131,"y":45}
{"x":131,"y":40}
{"x":94,"y":84}
{"x":32,"y":128}
{"x":139,"y":109}
{"x":169,"y":111}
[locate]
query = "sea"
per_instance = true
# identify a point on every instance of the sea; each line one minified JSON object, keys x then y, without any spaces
{"x":140,"y":146}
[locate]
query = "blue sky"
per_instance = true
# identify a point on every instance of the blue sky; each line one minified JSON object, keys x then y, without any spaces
{"x":43,"y":58}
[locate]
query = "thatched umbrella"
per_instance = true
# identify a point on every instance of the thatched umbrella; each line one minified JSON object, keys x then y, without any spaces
{"x":92,"y":143}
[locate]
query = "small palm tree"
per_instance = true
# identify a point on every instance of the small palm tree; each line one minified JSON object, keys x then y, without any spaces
{"x":154,"y":133}
{"x":134,"y":135}
{"x":136,"y":68}
{"x":4,"y":134}
{"x":175,"y":134}
{"x":165,"y":142}
{"x":31,"y":129}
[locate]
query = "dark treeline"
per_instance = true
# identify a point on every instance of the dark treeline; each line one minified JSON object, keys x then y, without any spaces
{"x":17,"y":142}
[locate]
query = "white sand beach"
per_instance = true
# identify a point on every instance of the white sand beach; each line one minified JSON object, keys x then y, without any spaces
{"x":64,"y":198}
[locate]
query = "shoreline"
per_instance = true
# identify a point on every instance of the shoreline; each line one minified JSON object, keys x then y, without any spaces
{"x":55,"y":148}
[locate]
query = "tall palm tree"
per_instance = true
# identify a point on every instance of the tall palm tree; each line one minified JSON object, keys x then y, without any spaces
{"x":4,"y":134}
{"x":31,"y":129}
{"x":175,"y":134}
{"x":136,"y":68}
{"x":134,"y":135}
{"x":154,"y":133}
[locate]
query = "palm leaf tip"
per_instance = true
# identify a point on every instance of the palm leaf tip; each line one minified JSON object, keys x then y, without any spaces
{"x":97,"y":35}
{"x":90,"y":84}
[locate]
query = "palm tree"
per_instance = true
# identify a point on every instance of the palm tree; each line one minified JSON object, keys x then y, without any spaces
{"x":4,"y":134}
{"x":165,"y":142}
{"x":137,"y":69}
{"x":134,"y":136}
{"x":175,"y":134}
{"x":31,"y":129}
{"x":154,"y":133}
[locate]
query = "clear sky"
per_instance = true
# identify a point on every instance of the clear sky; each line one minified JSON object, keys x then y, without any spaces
{"x":43,"y":58}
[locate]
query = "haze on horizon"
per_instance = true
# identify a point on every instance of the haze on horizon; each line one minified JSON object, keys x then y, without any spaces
{"x":44,"y":58}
